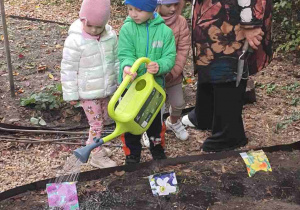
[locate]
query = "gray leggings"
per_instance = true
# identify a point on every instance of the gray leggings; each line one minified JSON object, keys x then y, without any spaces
{"x":176,"y":100}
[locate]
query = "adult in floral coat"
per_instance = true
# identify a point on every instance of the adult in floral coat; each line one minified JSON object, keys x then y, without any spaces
{"x":219,"y":31}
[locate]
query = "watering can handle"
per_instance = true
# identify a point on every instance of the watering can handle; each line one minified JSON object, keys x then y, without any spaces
{"x":124,"y":84}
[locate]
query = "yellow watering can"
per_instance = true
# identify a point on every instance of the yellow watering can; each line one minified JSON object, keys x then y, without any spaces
{"x":136,"y":110}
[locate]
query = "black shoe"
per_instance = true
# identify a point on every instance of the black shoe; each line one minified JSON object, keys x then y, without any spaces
{"x":132,"y":159}
{"x":158,"y":152}
{"x":218,"y":148}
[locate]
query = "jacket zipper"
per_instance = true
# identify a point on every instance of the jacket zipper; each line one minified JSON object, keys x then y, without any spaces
{"x":103,"y":67}
{"x":147,"y":27}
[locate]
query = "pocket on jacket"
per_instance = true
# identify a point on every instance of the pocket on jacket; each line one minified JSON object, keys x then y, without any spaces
{"x":94,"y":84}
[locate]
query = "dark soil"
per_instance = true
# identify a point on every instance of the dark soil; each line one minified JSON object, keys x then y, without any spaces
{"x":222,"y":184}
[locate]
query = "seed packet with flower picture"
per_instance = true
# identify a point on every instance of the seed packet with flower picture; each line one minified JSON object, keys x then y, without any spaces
{"x":256,"y":161}
{"x":63,"y":195}
{"x":163,"y":183}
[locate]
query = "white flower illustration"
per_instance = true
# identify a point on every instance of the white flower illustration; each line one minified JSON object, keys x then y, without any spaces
{"x":164,"y":188}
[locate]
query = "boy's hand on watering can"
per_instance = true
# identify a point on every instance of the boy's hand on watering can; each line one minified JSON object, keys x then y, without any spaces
{"x":153,"y":67}
{"x":126,"y":71}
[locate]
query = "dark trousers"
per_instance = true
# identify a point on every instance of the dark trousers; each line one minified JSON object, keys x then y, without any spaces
{"x":156,"y":133}
{"x":219,"y":108}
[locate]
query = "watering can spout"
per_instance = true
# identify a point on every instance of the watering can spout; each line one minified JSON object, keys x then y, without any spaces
{"x":83,"y":153}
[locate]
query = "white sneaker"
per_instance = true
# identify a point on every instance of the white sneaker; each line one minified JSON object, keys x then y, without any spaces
{"x":178,"y":129}
{"x":186,"y":121}
{"x":108,"y":151}
{"x":101,"y":159}
{"x":145,"y":140}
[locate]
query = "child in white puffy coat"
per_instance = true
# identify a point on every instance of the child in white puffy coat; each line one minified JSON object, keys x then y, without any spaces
{"x":89,"y":70}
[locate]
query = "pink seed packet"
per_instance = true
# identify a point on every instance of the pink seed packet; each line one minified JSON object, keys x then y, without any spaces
{"x":63,"y":195}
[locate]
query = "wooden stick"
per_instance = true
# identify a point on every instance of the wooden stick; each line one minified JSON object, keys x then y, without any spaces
{"x":39,"y":142}
{"x":6,"y":44}
{"x":28,"y":140}
{"x":63,"y":139}
{"x":43,"y":131}
{"x":40,"y":20}
{"x":51,"y":131}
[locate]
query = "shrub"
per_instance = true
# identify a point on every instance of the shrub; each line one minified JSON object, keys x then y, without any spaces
{"x":49,"y":98}
{"x":286,"y":26}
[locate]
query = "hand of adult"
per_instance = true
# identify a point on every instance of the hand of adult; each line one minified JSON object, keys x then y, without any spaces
{"x":254,"y":37}
{"x":152,"y":67}
{"x":126,"y":71}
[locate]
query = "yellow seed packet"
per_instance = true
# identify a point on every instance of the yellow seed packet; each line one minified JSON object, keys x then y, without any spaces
{"x":256,"y":161}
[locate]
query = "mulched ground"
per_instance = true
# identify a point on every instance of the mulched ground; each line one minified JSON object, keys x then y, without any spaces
{"x":36,"y":49}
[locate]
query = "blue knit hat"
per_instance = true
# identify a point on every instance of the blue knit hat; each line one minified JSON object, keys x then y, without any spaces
{"x":168,"y":1}
{"x":145,"y":5}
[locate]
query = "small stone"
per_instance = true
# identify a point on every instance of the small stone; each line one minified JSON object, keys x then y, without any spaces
{"x":14,"y":120}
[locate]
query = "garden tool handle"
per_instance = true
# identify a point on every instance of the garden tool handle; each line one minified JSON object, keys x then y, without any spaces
{"x":123,"y":85}
{"x":241,"y":62}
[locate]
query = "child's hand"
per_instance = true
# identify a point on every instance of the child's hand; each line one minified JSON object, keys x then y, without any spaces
{"x":152,"y":67}
{"x":254,"y":37}
{"x":73,"y":102}
{"x":127,"y":71}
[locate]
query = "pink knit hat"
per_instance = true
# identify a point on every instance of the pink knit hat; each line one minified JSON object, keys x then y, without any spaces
{"x":95,"y":12}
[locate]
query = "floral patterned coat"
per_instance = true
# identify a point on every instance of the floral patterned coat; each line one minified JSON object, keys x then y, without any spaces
{"x":217,"y":39}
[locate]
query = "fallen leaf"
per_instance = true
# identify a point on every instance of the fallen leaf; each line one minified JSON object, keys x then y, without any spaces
{"x":50,"y":76}
{"x":119,"y":173}
{"x":21,"y":56}
{"x":34,"y":120}
{"x":66,"y":148}
{"x":77,"y":118}
{"x":14,"y":120}
{"x":21,"y":90}
{"x":55,"y":166}
{"x":58,"y":46}
{"x":223,"y":169}
{"x":42,"y":122}
{"x":57,"y":67}
{"x":43,"y":192}
{"x":2,"y":37}
{"x":42,"y":67}
{"x":15,"y":73}
{"x":54,"y":154}
{"x":29,"y":65}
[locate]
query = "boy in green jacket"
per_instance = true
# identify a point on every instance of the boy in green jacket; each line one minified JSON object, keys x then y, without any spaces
{"x":144,"y":34}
